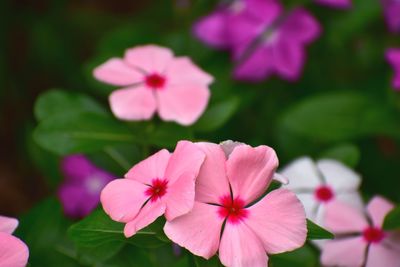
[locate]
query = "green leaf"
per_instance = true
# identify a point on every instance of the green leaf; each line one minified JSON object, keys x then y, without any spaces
{"x":80,"y":132}
{"x":348,"y":154}
{"x":217,"y":115}
{"x":201,"y":262}
{"x":340,"y":116}
{"x":167,"y":135}
{"x":57,"y":101}
{"x":317,"y":232}
{"x":392,"y":220}
{"x":302,"y":257}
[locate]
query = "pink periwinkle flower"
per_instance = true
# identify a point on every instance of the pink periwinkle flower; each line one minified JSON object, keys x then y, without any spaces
{"x":342,"y":4}
{"x":164,"y":183}
{"x":391,"y":9}
{"x":13,"y":252}
{"x":154,"y":80}
{"x":393,"y":57}
{"x":83,"y":181}
{"x":228,"y":215}
{"x":319,"y":183}
{"x":360,"y":239}
{"x":263,"y":38}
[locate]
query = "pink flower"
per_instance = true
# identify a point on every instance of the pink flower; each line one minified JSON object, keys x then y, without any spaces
{"x":263,"y":38}
{"x":229,"y":217}
{"x":13,"y":252}
{"x":318,"y":184}
{"x":360,"y":239}
{"x":161,"y":184}
{"x":393,"y":57}
{"x":154,"y":80}
{"x":391,"y":10}
{"x":344,"y":4}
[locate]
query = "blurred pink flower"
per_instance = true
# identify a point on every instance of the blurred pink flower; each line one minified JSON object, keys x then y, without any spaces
{"x":393,"y":57}
{"x":318,"y":184}
{"x":13,"y":252}
{"x":263,"y":39}
{"x":360,"y":239}
{"x":161,"y":184}
{"x":154,"y":80}
{"x":344,"y":4}
{"x":83,"y":181}
{"x":391,"y":9}
{"x":226,"y":219}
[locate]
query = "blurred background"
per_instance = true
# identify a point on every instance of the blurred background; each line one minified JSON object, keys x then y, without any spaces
{"x":343,"y":106}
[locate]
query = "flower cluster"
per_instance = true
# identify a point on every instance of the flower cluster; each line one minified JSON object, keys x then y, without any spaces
{"x":13,"y":252}
{"x":221,"y":186}
{"x":263,"y":38}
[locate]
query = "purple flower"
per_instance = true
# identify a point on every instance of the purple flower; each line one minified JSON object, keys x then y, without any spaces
{"x":393,"y":57}
{"x":391,"y":9}
{"x":263,"y":39}
{"x":343,"y":4}
{"x":80,"y":191}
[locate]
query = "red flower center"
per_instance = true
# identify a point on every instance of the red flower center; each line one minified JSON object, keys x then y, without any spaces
{"x":324,"y":193}
{"x":232,"y":210}
{"x":157,"y":189}
{"x":373,"y":235}
{"x":155,"y":81}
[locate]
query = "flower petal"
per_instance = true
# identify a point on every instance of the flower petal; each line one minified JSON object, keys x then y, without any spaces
{"x":392,"y":11}
{"x":116,"y":72}
{"x":343,"y":4}
{"x":76,"y":201}
{"x":180,"y":196}
{"x":211,"y":29}
{"x":279,"y":221}
{"x":212,"y":183}
{"x":311,"y":206}
{"x":182,"y":70}
{"x":302,"y":174}
{"x":240,"y":247}
{"x":338,"y":176}
{"x":377,"y":209}
{"x":288,"y":58}
{"x":150,"y":168}
{"x":76,"y":168}
{"x":186,"y":159}
{"x":183,"y":104}
{"x":149,"y":58}
{"x":8,"y":225}
{"x":147,"y":215}
{"x":134,"y":103}
{"x":13,"y":252}
{"x":379,"y":255}
{"x":393,"y":57}
{"x":250,"y":171}
{"x":123,"y":198}
{"x":344,"y":252}
{"x":198,"y":231}
{"x":342,"y":218}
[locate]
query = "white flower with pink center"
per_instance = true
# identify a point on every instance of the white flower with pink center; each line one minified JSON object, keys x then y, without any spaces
{"x":153,"y":80}
{"x":318,"y":183}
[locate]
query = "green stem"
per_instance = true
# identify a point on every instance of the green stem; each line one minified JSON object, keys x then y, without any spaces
{"x":118,"y":158}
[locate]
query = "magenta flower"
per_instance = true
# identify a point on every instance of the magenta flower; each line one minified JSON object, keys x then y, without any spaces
{"x":83,"y":181}
{"x":13,"y":252}
{"x":360,"y":239}
{"x":154,"y":80}
{"x":391,"y":9}
{"x":344,"y":4}
{"x":393,"y":57}
{"x":161,"y":184}
{"x":229,"y":217}
{"x":264,"y":40}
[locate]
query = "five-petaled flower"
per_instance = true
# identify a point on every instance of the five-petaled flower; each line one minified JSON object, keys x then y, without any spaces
{"x":393,"y":57}
{"x":317,"y":184}
{"x":229,"y":216}
{"x":360,"y":239}
{"x":13,"y":252}
{"x":83,"y":182}
{"x":164,"y":183}
{"x":154,"y":80}
{"x":263,"y":38}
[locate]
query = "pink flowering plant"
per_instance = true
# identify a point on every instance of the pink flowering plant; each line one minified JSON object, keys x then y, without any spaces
{"x":127,"y":164}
